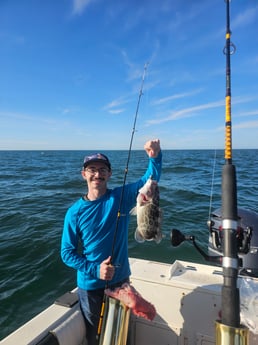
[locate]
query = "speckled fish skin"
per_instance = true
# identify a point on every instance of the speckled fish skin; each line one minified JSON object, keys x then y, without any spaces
{"x":148,"y":213}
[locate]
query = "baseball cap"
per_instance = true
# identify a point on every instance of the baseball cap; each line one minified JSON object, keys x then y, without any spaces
{"x":96,"y":157}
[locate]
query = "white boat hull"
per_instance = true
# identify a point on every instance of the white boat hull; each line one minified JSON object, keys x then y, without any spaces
{"x":187,"y":298}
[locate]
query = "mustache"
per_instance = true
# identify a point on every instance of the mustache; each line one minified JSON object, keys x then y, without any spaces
{"x":98,"y":179}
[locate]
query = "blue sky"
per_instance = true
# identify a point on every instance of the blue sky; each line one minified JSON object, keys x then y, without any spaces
{"x":71,"y":71}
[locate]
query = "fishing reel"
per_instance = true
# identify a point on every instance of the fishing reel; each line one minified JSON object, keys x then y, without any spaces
{"x":246,"y":235}
{"x":243,"y":233}
{"x":177,"y":237}
{"x":243,"y":238}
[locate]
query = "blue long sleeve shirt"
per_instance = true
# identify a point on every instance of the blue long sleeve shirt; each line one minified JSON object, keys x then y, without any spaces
{"x":89,"y":228}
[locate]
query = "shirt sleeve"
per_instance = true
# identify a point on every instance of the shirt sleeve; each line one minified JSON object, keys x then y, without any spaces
{"x":69,"y":247}
{"x":154,"y":168}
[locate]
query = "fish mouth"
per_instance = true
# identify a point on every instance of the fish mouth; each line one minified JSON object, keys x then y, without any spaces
{"x":144,"y":198}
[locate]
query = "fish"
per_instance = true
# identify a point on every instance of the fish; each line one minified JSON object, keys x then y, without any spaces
{"x":148,"y":213}
{"x":133,"y":300}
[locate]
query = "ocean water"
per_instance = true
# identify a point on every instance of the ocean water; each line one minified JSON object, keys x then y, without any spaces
{"x":36,"y":188}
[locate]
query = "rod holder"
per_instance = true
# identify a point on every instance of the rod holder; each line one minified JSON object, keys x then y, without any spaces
{"x":226,"y":335}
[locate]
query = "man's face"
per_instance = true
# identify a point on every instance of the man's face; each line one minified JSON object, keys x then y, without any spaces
{"x":96,"y":174}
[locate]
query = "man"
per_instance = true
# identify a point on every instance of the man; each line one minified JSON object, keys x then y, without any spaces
{"x":92,"y":221}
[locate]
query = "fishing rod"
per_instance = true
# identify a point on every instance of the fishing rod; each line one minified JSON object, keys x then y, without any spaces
{"x":128,"y":159}
{"x":230,"y":292}
{"x":121,"y":199}
{"x":228,"y":329}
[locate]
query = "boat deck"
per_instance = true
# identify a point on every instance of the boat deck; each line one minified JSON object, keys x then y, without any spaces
{"x":187,"y":298}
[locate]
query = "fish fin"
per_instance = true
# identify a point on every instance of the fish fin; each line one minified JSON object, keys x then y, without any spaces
{"x":133,"y":211}
{"x":158,"y":238}
{"x":138,"y":237}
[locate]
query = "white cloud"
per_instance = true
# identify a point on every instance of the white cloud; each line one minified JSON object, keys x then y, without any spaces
{"x":246,"y":17}
{"x":186,"y":112}
{"x":247,"y":124}
{"x":192,"y":111}
{"x":116,"y":111}
{"x":115,"y":103}
{"x":249,"y":113}
{"x":173,"y":97}
{"x":114,"y":107}
{"x":80,"y":5}
{"x":134,"y":71}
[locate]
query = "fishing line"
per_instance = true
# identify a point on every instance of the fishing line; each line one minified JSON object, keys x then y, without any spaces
{"x":122,"y":196}
{"x":212,"y":182}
